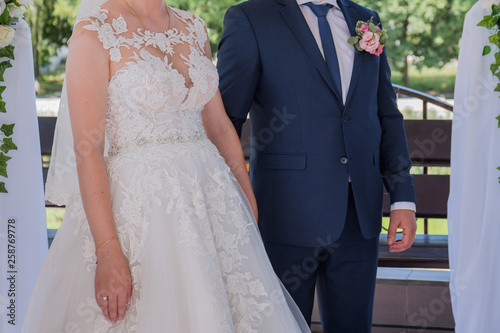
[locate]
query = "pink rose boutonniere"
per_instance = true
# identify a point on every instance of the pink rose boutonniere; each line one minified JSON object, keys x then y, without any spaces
{"x":369,"y":37}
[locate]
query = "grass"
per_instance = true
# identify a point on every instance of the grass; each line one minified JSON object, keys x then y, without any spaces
{"x":430,"y":80}
{"x":54,"y":217}
{"x":435,"y":226}
{"x":51,"y":82}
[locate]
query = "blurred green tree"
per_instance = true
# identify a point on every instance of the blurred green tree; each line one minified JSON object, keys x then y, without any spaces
{"x":51,"y":22}
{"x":423,"y":33}
{"x":211,"y":11}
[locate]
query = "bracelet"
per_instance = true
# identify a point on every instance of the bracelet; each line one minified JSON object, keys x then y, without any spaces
{"x":106,"y":242}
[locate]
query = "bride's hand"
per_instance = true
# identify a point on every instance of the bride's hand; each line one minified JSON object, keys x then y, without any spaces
{"x":113,"y":282}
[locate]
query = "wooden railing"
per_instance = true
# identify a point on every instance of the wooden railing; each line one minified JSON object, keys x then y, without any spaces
{"x":429,"y":144}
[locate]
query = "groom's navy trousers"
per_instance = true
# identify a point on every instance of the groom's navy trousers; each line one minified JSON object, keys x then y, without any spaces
{"x":317,"y":164}
{"x":344,"y":271}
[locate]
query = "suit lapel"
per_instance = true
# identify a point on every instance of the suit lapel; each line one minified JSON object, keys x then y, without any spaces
{"x":297,"y":23}
{"x":350,"y":18}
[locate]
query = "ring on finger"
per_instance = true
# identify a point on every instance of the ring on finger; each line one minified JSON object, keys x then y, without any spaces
{"x":104,"y":298}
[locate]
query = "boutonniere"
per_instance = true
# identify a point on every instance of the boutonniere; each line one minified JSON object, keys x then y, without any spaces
{"x":369,"y":37}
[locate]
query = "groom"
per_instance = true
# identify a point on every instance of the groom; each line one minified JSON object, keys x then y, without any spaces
{"x":326,"y":136}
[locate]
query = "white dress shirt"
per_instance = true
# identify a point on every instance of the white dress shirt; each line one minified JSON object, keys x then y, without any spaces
{"x":340,"y":33}
{"x":345,"y":53}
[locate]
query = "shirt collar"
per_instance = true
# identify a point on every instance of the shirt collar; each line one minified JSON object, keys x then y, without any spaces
{"x":319,"y":2}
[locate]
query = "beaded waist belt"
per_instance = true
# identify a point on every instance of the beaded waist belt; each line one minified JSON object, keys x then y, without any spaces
{"x":161,"y":140}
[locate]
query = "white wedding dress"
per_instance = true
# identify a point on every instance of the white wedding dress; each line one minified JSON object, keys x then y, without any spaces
{"x":196,"y":257}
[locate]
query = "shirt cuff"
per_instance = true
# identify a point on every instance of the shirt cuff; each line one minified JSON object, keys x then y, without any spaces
{"x":404,"y":205}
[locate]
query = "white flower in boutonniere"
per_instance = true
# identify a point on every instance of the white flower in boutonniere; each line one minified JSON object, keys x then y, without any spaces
{"x":369,"y":37}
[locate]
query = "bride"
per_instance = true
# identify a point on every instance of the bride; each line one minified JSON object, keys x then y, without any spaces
{"x":160,"y":228}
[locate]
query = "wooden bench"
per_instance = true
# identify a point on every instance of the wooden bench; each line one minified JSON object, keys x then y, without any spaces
{"x":429,"y":143}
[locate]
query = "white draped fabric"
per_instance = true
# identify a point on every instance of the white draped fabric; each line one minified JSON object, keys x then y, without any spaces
{"x":23,"y":231}
{"x":474,"y":202}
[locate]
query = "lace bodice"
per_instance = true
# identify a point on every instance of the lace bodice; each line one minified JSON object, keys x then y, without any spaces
{"x":160,"y":81}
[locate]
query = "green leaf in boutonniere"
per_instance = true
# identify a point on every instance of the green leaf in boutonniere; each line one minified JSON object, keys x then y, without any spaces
{"x":353,"y":40}
{"x":7,"y":52}
{"x":486,"y":50}
{"x":2,"y":188}
{"x":3,"y":66}
{"x":8,"y":145}
{"x":3,"y":164}
{"x":8,"y":130}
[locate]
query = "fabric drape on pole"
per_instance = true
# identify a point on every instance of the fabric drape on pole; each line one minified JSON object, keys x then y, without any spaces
{"x":474,"y":202}
{"x":23,"y":230}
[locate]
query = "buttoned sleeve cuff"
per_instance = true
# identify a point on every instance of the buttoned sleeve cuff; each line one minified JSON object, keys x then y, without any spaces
{"x":404,"y":205}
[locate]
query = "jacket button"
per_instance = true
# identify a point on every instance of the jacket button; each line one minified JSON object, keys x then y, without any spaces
{"x":345,"y":118}
{"x":343,"y":160}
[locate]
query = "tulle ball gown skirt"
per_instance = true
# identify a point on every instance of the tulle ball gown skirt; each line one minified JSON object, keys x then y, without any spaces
{"x":195,"y":254}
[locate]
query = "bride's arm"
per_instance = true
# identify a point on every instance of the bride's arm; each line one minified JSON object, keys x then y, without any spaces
{"x":221,"y":132}
{"x":87,"y":76}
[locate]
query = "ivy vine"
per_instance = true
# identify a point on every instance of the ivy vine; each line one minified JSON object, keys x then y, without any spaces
{"x":492,"y":23}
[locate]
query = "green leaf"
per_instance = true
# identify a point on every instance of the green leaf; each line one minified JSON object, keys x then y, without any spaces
{"x":489,"y":21}
{"x":2,"y":89}
{"x":498,"y":118}
{"x":353,"y":40}
{"x":495,"y":10}
{"x":8,"y":145}
{"x":8,"y":52}
{"x":3,"y":164}
{"x":2,"y":107}
{"x":494,"y":67}
{"x":3,"y":66}
{"x":2,"y":188}
{"x":482,"y":23}
{"x":495,"y":39}
{"x":486,"y":50}
{"x":8,"y":130}
{"x":4,"y":18}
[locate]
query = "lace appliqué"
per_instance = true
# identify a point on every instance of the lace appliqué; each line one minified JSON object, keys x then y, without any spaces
{"x":153,"y":113}
{"x":246,"y":295}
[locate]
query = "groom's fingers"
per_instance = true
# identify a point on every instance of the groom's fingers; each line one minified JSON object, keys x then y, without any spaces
{"x":404,"y":219}
{"x":391,"y":232}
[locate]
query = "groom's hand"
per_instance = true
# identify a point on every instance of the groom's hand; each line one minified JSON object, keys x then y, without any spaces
{"x":401,"y":219}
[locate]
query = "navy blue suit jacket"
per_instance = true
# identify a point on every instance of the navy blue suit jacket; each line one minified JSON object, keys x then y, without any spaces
{"x":305,"y":142}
